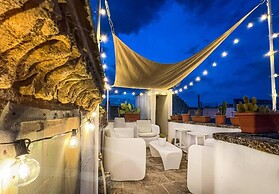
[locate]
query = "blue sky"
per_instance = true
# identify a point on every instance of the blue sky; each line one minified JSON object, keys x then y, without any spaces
{"x":169,"y":31}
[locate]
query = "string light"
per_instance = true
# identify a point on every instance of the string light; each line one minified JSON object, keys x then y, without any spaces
{"x":103,"y":55}
{"x":105,"y":79}
{"x":180,"y":90}
{"x":275,"y":35}
{"x":104,"y":38}
{"x":116,"y":91}
{"x":185,"y":87}
{"x":89,"y":126}
{"x":198,"y":79}
{"x":103,"y":96}
{"x":124,"y":93}
{"x":270,"y":53}
{"x":214,"y":64}
{"x":235,"y":41}
{"x":102,"y":12}
{"x":250,"y":25}
{"x":104,"y":66}
{"x":133,"y":93}
{"x":191,"y":83}
{"x":205,"y":72}
{"x":224,"y":54}
{"x":263,"y":17}
{"x":74,"y":141}
{"x":24,"y":170}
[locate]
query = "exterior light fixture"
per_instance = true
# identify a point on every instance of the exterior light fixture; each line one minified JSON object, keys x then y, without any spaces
{"x":235,"y":41}
{"x":224,"y":54}
{"x":24,"y":170}
{"x":250,"y":25}
{"x":74,"y":141}
{"x":205,"y":72}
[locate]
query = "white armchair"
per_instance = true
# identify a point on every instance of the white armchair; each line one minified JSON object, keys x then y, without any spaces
{"x":147,"y":131}
{"x":124,"y":155}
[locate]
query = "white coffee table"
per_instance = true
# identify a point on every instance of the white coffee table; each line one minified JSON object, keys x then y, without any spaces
{"x":170,"y":154}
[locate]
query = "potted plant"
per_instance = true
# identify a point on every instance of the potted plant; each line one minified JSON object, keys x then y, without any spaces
{"x":130,"y":113}
{"x":220,"y":117}
{"x":234,"y":120}
{"x":256,"y":119}
{"x":162,"y":139}
{"x":200,"y":119}
{"x":186,"y":117}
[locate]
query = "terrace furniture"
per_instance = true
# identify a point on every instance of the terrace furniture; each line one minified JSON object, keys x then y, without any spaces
{"x":180,"y":131}
{"x":147,"y":131}
{"x":170,"y":154}
{"x":198,"y":137}
{"x":124,"y":155}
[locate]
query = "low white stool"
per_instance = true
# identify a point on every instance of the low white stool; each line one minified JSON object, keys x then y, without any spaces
{"x":198,"y":136}
{"x":180,"y":131}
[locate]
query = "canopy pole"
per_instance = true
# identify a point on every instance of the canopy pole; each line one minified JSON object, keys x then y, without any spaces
{"x":271,"y":56}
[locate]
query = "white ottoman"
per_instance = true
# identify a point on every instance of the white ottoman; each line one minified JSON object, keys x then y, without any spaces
{"x":170,"y":154}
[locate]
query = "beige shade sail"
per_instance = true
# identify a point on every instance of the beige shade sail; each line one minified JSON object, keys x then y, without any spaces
{"x":135,"y":71}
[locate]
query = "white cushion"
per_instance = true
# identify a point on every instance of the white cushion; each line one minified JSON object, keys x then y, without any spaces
{"x":122,"y":132}
{"x":144,"y":126}
{"x":147,"y":134}
{"x":119,"y":122}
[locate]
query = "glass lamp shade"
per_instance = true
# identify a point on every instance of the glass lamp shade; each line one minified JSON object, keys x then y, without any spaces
{"x":24,"y":170}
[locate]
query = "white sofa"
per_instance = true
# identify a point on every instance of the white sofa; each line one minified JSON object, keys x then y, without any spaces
{"x":124,"y":155}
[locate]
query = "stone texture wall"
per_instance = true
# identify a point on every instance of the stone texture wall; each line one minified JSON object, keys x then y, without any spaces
{"x":48,"y":52}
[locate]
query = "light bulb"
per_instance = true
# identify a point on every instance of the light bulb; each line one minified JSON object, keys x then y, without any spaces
{"x":263,"y":17}
{"x":191,"y":83}
{"x":250,"y":25}
{"x":124,"y":93}
{"x":214,"y":64}
{"x":198,"y":79}
{"x":102,"y":11}
{"x":185,"y":87}
{"x":89,"y":126}
{"x":235,"y":41}
{"x":24,"y":170}
{"x":224,"y":54}
{"x":180,"y":90}
{"x":74,"y":141}
{"x":205,"y":72}
{"x":133,"y":93}
{"x":116,"y":91}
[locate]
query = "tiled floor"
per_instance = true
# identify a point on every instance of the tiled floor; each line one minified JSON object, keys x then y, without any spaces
{"x":156,"y":181}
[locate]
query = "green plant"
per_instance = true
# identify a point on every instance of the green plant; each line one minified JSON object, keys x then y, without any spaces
{"x":161,"y":135}
{"x":127,"y":108}
{"x":252,"y":106}
{"x":223,"y":108}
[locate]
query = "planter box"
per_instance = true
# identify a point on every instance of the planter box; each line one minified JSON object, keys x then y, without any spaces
{"x":186,"y":117}
{"x":234,"y":121}
{"x":220,"y":119}
{"x":131,"y":117}
{"x":176,"y":117}
{"x":258,"y":122}
{"x":201,"y":119}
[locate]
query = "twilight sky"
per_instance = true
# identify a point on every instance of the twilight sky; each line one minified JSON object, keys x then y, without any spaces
{"x":169,"y":31}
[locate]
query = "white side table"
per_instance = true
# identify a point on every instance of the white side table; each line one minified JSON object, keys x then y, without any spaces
{"x":180,"y":131}
{"x":198,"y":136}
